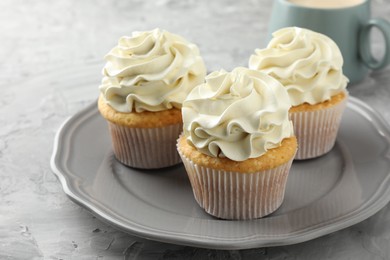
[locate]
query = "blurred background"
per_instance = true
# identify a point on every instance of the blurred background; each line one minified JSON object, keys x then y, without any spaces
{"x":44,"y":34}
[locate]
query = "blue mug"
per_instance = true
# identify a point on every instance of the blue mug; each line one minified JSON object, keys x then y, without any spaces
{"x":349,"y":26}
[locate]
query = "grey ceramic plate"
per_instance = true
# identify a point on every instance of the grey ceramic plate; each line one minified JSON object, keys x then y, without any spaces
{"x":323,"y":195}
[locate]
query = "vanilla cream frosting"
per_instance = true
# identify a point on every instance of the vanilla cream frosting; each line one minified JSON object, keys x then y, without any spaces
{"x":151,"y":71}
{"x":308,"y":64}
{"x":239,"y":114}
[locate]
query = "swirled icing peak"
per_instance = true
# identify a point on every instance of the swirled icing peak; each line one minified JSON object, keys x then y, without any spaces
{"x":307,"y":63}
{"x":239,"y":114}
{"x":151,"y":71}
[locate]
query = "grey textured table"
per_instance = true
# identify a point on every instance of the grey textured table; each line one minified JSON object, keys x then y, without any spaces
{"x":49,"y":54}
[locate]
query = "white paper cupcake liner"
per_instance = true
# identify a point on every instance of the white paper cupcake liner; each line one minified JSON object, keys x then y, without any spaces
{"x":146,"y":148}
{"x":235,"y":195}
{"x":316,"y":131}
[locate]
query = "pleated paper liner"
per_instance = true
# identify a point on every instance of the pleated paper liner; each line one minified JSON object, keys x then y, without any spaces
{"x":316,"y":131}
{"x":146,"y":148}
{"x":235,"y":195}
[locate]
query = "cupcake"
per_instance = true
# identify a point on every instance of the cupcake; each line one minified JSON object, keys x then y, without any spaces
{"x":309,"y":66}
{"x":237,"y":144}
{"x":145,"y":81}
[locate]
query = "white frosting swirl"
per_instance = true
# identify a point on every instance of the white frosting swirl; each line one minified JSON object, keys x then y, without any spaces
{"x":152,"y":71}
{"x":307,"y":63}
{"x":238,"y":115}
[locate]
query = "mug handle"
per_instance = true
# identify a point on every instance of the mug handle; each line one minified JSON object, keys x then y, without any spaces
{"x":364,"y":46}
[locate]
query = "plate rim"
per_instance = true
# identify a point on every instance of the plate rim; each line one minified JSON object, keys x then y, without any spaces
{"x":309,"y":233}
